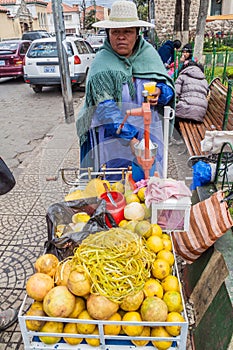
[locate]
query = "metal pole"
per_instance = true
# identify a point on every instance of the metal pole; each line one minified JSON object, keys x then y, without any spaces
{"x":169,"y":114}
{"x":63,"y":60}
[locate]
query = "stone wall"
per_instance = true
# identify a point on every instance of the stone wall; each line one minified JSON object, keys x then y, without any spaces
{"x":164,"y":20}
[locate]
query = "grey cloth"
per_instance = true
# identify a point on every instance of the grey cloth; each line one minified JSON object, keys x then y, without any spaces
{"x":191,"y":92}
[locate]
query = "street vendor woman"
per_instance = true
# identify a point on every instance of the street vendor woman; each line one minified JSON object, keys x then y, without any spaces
{"x":115,"y":84}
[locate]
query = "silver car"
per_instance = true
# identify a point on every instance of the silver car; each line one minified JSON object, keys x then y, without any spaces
{"x":41,"y":63}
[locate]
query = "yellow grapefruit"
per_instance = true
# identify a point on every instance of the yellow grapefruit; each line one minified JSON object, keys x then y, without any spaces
{"x":160,"y":269}
{"x":72,"y":329}
{"x":145,"y":333}
{"x":141,"y":194}
{"x":85,"y":328}
{"x":152,"y":287}
{"x":154,"y":309}
{"x":93,"y":341}
{"x":130,"y":330}
{"x":160,"y":332}
{"x":154,"y":243}
{"x":113,"y":329}
{"x":156,"y":230}
{"x":174,"y":317}
{"x":170,"y":283}
{"x":167,"y":244}
{"x":173,"y":301}
{"x":166,"y":255}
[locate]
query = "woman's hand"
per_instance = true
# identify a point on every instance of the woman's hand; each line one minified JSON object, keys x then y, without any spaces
{"x":153,"y":100}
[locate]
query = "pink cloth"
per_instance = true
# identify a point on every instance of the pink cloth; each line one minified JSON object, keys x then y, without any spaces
{"x":159,"y":190}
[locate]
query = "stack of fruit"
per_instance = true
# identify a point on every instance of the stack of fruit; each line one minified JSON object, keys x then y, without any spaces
{"x":88,"y":286}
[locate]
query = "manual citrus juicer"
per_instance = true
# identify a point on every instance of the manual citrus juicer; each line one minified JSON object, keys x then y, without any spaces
{"x":145,"y":150}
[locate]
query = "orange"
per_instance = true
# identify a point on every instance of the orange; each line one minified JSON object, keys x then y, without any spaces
{"x":166,"y":236}
{"x":160,"y":332}
{"x":130,"y":330}
{"x":152,"y":288}
{"x":160,"y":269}
{"x":174,"y":317}
{"x":167,"y":244}
{"x":170,"y":283}
{"x":166,"y":255}
{"x":173,"y":301}
{"x":154,"y":243}
{"x":113,"y":329}
{"x":141,"y":194}
{"x":123,"y":223}
{"x":84,"y":328}
{"x":145,"y":333}
{"x":156,"y":230}
{"x":93,"y":341}
{"x":72,"y":329}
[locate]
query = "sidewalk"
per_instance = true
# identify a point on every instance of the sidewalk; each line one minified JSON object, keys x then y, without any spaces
{"x":23,"y":211}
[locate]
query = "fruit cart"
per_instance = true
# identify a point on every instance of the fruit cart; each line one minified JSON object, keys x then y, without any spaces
{"x":100,"y":339}
{"x":107,"y":342}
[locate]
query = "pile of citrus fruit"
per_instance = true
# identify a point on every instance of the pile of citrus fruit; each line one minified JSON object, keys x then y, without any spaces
{"x":65,"y":289}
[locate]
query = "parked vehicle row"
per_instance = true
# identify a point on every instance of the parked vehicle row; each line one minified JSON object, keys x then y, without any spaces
{"x":12,"y":53}
{"x":37,"y":61}
{"x":41,"y":63}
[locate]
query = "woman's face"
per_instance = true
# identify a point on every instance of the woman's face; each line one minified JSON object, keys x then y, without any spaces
{"x":186,"y":55}
{"x":123,"y":40}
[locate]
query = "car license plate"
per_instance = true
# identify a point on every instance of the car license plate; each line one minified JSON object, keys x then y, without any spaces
{"x":49,"y":69}
{"x":2,"y":63}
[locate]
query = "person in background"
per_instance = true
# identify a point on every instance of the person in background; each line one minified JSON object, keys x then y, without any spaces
{"x":115,"y":84}
{"x":191,"y":94}
{"x":167,"y":51}
{"x":187,"y":54}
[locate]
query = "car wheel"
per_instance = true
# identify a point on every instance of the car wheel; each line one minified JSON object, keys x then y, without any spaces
{"x":37,"y":88}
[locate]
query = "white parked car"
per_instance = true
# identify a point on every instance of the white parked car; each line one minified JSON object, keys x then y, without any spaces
{"x":41,"y":64}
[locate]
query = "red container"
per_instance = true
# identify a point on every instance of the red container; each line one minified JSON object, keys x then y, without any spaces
{"x":116,"y":212}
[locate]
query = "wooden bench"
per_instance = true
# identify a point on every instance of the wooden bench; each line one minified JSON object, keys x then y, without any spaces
{"x":215,"y":118}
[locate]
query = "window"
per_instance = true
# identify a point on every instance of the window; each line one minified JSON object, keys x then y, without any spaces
{"x":216,"y":7}
{"x":82,"y":48}
{"x":68,"y":17}
{"x":24,"y":48}
{"x":47,"y":49}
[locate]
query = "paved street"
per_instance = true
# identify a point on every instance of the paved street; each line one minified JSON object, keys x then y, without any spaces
{"x":27,"y":118}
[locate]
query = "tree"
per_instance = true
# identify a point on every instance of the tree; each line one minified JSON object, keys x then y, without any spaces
{"x":178,"y":19}
{"x":185,"y":34}
{"x":90,"y":19}
{"x":200,"y":30}
{"x":142,"y":7}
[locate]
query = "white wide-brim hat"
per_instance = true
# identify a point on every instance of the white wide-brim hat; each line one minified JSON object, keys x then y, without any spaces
{"x":123,"y":15}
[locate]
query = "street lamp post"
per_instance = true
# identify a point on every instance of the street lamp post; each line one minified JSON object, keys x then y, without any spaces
{"x":63,"y":60}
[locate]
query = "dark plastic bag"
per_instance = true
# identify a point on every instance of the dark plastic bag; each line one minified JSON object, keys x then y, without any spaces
{"x":7,"y":180}
{"x":201,"y":174}
{"x":61,"y":213}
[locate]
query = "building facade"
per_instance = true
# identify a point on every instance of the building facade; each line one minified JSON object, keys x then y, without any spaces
{"x":21,"y":16}
{"x":71,"y":15}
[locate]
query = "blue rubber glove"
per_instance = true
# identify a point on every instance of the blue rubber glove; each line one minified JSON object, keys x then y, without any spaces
{"x":166,"y":93}
{"x":110,"y":116}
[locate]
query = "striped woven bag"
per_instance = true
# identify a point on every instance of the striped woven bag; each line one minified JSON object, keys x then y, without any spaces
{"x":209,"y":220}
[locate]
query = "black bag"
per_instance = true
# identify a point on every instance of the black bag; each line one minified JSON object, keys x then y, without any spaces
{"x":7,"y":180}
{"x":61,"y":213}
